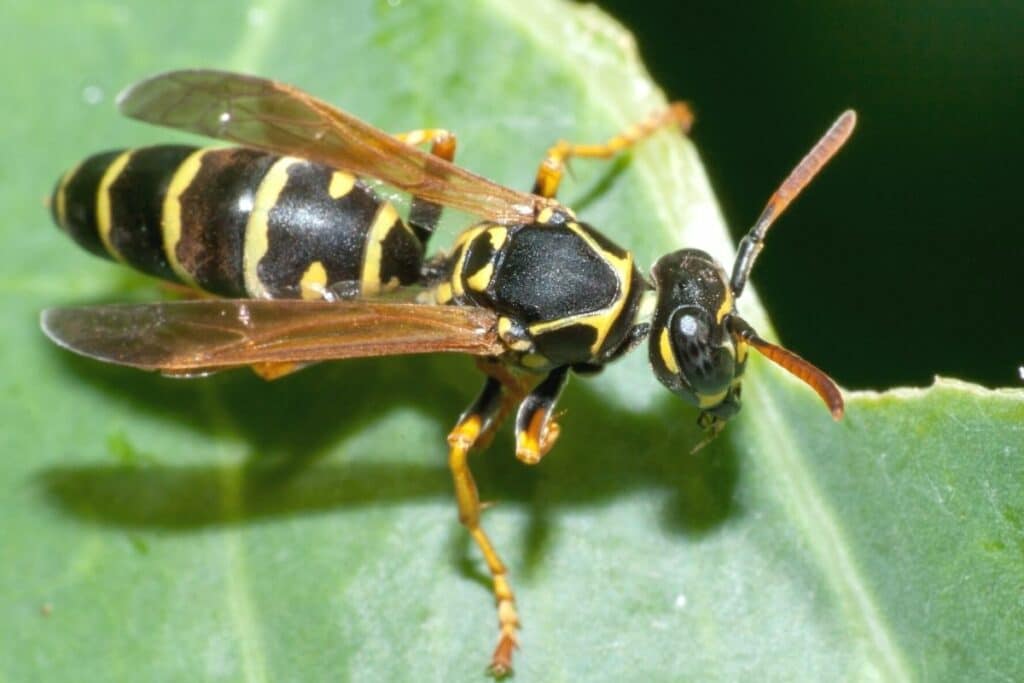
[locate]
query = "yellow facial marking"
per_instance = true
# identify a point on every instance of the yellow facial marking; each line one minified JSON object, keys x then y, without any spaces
{"x":711,"y":400}
{"x":104,"y":210}
{"x":341,"y":184}
{"x":170,"y":216}
{"x":668,"y":357}
{"x":258,"y":226}
{"x":370,"y":282}
{"x":314,"y":281}
{"x":479,"y":280}
{"x":726,"y":307}
{"x":545,"y":215}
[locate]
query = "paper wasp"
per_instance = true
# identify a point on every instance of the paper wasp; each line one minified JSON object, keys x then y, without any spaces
{"x":287,"y":230}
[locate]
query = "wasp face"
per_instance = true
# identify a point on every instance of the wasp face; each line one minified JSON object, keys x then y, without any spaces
{"x":691,"y":349}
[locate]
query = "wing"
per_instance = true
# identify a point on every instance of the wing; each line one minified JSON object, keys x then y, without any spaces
{"x":195,"y":337}
{"x":279,"y":118}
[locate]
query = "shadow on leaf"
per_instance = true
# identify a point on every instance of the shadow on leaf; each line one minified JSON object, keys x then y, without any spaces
{"x":604,"y":452}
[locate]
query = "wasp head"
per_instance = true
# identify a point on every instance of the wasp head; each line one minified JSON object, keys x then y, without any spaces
{"x":691,"y":348}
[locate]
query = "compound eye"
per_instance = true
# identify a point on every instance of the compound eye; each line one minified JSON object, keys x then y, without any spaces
{"x":689,"y":327}
{"x":707,"y":367}
{"x":691,"y":330}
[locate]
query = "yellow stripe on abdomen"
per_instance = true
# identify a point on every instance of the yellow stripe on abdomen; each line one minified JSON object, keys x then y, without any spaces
{"x":60,"y":197}
{"x":170,"y":215}
{"x":258,"y":226}
{"x":104,"y":204}
{"x":369,"y":281}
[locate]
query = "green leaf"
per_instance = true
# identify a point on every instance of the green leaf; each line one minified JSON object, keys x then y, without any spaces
{"x":229,"y":529}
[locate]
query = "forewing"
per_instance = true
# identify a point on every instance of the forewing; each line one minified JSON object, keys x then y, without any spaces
{"x":279,"y":118}
{"x":195,"y":337}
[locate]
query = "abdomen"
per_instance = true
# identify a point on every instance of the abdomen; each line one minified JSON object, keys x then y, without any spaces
{"x":237,"y":222}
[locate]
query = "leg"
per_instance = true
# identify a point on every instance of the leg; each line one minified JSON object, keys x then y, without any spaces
{"x":476,"y":425}
{"x":424,"y":215}
{"x":272,"y":371}
{"x":178,"y":291}
{"x":266,"y":371}
{"x":536,"y":432}
{"x":712,"y":425}
{"x":549,"y":175}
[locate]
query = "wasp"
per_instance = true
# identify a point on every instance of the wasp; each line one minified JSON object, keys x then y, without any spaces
{"x":307,"y":261}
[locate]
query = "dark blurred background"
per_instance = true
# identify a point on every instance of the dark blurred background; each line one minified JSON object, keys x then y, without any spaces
{"x":904,"y":258}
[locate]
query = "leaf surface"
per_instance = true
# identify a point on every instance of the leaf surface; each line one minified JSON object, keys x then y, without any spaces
{"x":304,"y":530}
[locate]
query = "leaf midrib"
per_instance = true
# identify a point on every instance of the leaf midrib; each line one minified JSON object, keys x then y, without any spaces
{"x":815,"y":517}
{"x":240,"y":603}
{"x":808,"y":510}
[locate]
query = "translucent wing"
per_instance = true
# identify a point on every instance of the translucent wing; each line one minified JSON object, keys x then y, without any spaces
{"x":194,"y":337}
{"x":279,"y":118}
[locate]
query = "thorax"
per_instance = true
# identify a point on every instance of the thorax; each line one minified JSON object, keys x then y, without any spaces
{"x":564,"y":293}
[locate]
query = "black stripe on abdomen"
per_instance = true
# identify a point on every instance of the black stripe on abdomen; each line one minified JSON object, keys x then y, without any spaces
{"x":136,"y":198}
{"x":74,"y":202}
{"x":214,"y":204}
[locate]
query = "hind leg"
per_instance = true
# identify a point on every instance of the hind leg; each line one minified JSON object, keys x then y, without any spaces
{"x":423,"y":214}
{"x":549,"y":175}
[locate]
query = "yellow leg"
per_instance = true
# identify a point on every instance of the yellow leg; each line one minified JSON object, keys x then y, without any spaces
{"x":460,"y":441}
{"x":533,"y":443}
{"x":178,"y":291}
{"x":504,"y":390}
{"x":272,"y":371}
{"x":442,"y":142}
{"x":549,"y":175}
{"x":424,"y":215}
{"x":536,"y":428}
